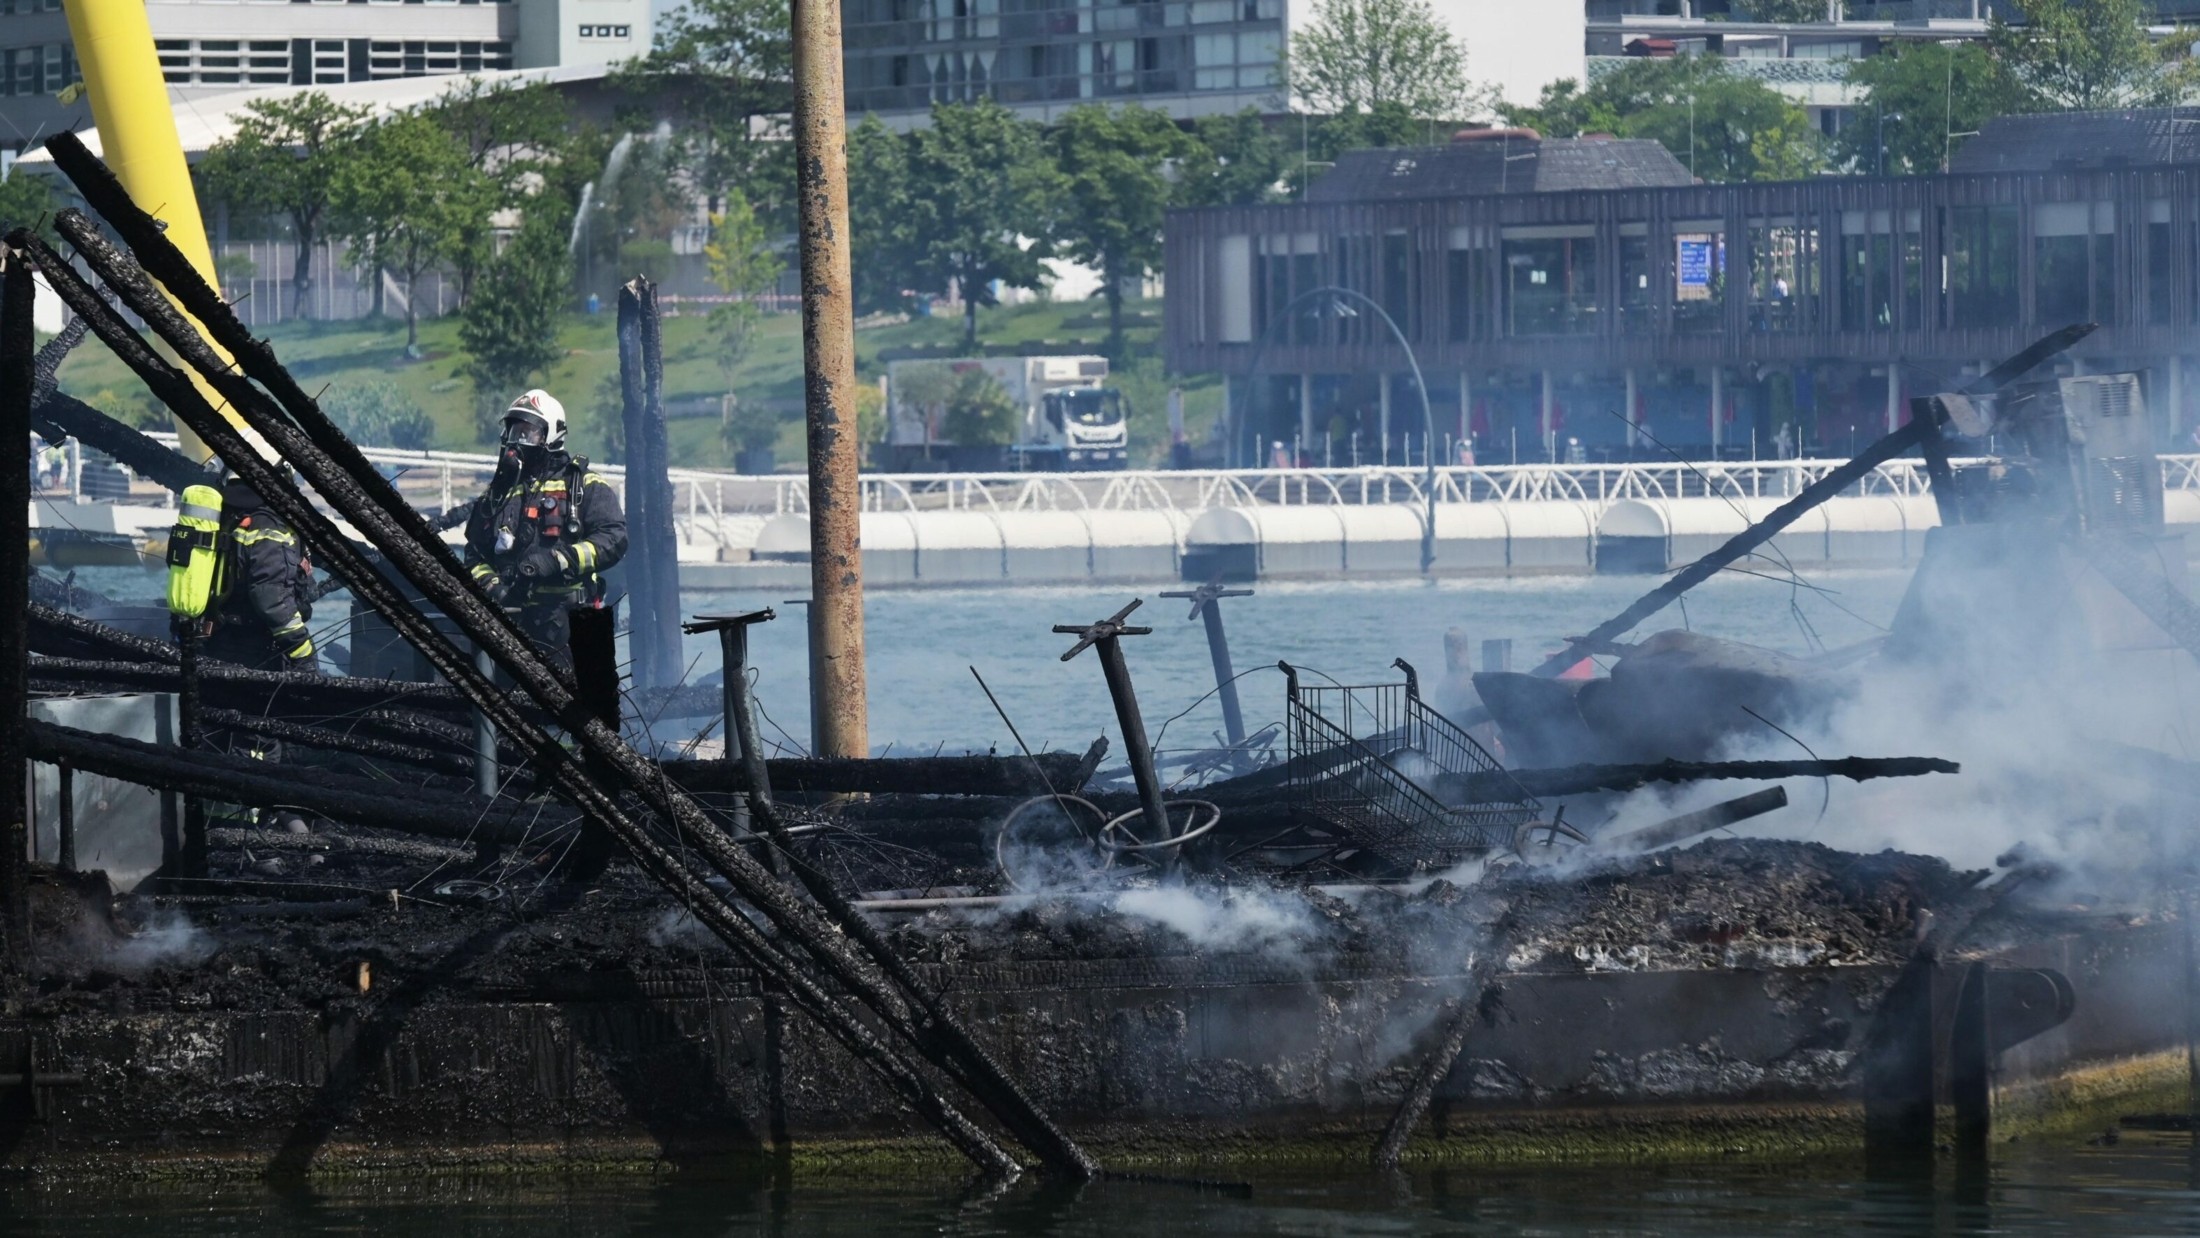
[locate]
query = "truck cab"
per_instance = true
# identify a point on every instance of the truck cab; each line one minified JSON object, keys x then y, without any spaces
{"x":1085,"y":428}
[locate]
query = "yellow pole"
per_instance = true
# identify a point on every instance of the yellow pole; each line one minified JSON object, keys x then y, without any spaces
{"x":137,"y":135}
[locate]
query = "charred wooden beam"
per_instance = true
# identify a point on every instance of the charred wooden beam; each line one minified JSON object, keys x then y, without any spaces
{"x":1702,"y":821}
{"x":61,"y":415}
{"x":18,"y":359}
{"x":343,"y":477}
{"x":241,"y":780}
{"x":968,"y":775}
{"x":65,"y":593}
{"x":652,"y":557}
{"x":60,"y":633}
{"x":1833,"y":483}
{"x":239,"y":687}
{"x":441,"y":760}
{"x":1581,"y":779}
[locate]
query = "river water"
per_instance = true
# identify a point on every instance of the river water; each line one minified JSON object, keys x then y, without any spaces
{"x":2144,"y":1185}
{"x":923,"y":642}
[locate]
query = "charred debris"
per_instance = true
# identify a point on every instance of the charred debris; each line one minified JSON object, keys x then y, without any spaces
{"x":467,"y":808}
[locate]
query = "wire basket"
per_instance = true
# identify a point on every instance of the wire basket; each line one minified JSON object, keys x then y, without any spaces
{"x":1363,"y":760}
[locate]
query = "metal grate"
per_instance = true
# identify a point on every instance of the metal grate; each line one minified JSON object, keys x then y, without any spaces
{"x":1363,"y":759}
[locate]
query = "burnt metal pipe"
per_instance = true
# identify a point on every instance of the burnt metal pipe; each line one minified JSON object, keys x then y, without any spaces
{"x":1206,"y":605}
{"x":829,"y":378}
{"x":1107,"y":635}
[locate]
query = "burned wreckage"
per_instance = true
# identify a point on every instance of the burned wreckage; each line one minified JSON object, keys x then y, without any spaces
{"x":512,"y":937}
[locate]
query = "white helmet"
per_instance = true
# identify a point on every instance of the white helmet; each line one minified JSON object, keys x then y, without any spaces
{"x":535,"y":419}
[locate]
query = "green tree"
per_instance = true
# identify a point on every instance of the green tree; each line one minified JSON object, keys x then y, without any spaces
{"x":378,"y":413}
{"x":1722,"y":125}
{"x":1565,"y":110}
{"x":2090,"y":54}
{"x":883,"y":252}
{"x":287,"y":157}
{"x":979,"y":412}
{"x":982,"y":199}
{"x":724,"y":66}
{"x":510,"y":327}
{"x":404,"y":201}
{"x":25,"y":201}
{"x":741,"y":261}
{"x":515,"y":136}
{"x":1235,"y":160}
{"x":1780,"y":10}
{"x":1920,"y":95}
{"x":1115,"y":167}
{"x":1357,"y":55}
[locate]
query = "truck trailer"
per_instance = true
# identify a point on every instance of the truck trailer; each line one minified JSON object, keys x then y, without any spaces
{"x":1069,"y":419}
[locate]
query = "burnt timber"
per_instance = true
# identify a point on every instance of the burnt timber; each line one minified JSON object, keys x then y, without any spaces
{"x":358,"y":1001}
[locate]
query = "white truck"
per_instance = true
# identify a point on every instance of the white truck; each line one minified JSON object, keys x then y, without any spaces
{"x":1070,"y":419}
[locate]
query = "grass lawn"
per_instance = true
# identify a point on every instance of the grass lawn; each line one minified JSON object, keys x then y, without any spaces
{"x":334,"y":355}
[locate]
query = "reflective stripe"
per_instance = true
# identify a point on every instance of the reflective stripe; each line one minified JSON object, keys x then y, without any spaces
{"x":302,"y":651}
{"x":193,"y":511}
{"x":483,"y":571}
{"x":584,"y":556}
{"x":250,"y":537}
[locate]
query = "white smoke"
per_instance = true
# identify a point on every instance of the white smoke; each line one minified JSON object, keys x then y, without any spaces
{"x":167,"y":937}
{"x":1232,"y":921}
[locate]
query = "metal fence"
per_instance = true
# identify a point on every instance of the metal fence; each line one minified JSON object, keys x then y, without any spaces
{"x":433,"y":480}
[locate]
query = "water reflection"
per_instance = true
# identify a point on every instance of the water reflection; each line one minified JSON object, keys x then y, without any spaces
{"x":2142,"y":1185}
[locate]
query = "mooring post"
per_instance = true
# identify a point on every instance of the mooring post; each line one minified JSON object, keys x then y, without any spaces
{"x":18,"y":352}
{"x":809,"y":660}
{"x":593,"y":639}
{"x":65,"y":819}
{"x":1108,"y":634}
{"x":653,"y":556}
{"x":486,"y":773}
{"x":743,"y":743}
{"x":1206,"y":604}
{"x":829,"y":379}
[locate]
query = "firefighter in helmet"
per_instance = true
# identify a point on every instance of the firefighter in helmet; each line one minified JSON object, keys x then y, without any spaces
{"x":263,"y":589}
{"x":540,"y":541}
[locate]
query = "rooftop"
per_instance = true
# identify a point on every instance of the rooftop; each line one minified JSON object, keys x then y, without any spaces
{"x":2065,"y":140}
{"x":1498,"y":162}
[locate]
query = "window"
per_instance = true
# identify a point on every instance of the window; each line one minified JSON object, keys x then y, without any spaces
{"x":2074,"y":262}
{"x":1979,"y":269}
{"x":2161,"y":262}
{"x":1550,"y":280}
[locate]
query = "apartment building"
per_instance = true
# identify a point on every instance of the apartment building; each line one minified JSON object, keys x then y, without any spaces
{"x":217,"y":47}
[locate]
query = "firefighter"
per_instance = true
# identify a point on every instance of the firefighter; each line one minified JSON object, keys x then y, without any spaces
{"x":240,"y":583}
{"x":541,"y":540}
{"x":263,"y":588}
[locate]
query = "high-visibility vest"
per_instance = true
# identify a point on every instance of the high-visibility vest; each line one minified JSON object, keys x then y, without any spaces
{"x":194,"y":553}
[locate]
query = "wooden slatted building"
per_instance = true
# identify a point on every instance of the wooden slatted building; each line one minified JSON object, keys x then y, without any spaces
{"x":1560,"y":296}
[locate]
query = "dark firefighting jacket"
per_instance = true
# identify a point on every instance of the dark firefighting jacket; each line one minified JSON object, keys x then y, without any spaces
{"x":548,"y":537}
{"x":265,"y":584}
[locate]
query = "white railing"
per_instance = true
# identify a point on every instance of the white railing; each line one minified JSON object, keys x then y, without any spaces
{"x":705,"y":498}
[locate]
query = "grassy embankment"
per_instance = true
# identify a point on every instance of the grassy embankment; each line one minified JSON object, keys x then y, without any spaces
{"x":335,"y":355}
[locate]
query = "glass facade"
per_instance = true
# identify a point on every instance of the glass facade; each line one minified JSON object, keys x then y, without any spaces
{"x":906,"y":55}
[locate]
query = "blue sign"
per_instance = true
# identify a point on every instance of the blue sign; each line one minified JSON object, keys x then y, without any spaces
{"x":1694,"y":266}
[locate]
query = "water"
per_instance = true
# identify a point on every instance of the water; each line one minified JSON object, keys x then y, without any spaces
{"x":2142,"y":1186}
{"x":922,"y":642}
